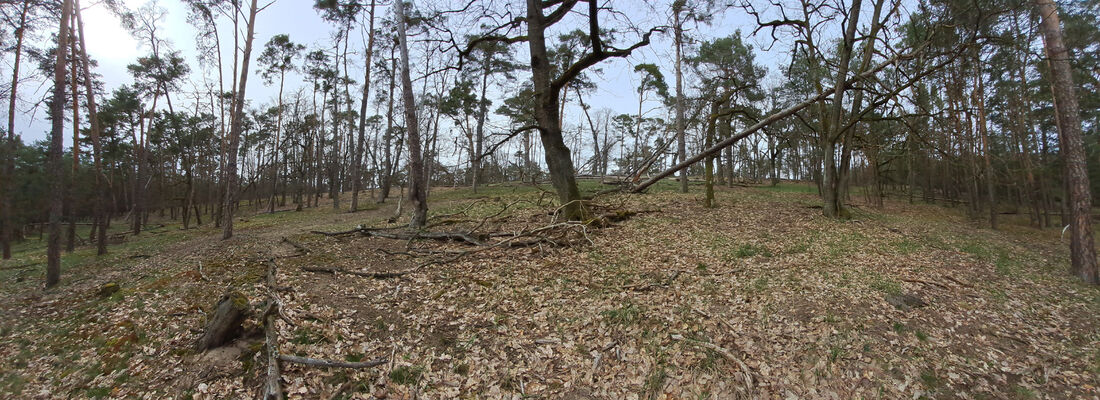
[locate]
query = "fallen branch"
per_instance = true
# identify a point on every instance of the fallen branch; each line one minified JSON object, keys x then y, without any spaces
{"x":301,"y":249}
{"x":722,"y":351}
{"x":960,"y":283}
{"x":331,"y":364}
{"x":272,"y":387}
{"x":408,"y":235}
{"x":651,"y":286}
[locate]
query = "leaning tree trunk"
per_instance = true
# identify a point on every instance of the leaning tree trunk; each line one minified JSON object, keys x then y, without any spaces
{"x":1082,"y":251}
{"x":98,"y":211}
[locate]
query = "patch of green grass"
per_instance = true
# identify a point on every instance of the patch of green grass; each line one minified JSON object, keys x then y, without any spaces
{"x":654,"y":382}
{"x":626,"y":315}
{"x":900,"y":328}
{"x":406,"y":375}
{"x":840,"y":245}
{"x":1023,"y":392}
{"x":760,"y":284}
{"x":835,"y":353}
{"x":883,"y":284}
{"x":708,"y":363}
{"x":751,"y":250}
{"x":799,"y":248}
{"x":98,"y":392}
{"x":306,"y":335}
{"x":906,"y":246}
{"x":921,"y":336}
{"x":930,"y":379}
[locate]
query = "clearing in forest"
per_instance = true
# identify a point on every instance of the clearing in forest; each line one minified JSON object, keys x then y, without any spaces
{"x":761,"y":297}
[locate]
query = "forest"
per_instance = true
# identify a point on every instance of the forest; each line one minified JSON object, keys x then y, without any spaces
{"x":576,"y":199}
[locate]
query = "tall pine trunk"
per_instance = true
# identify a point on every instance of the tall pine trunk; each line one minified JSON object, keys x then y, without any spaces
{"x":53,"y":162}
{"x":1082,"y":251}
{"x":229,"y":205}
{"x":357,"y":161}
{"x":8,"y":174}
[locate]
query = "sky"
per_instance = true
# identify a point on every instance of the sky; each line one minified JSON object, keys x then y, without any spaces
{"x":114,"y":48}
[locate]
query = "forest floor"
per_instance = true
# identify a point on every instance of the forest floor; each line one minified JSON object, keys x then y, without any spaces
{"x":761,"y":297}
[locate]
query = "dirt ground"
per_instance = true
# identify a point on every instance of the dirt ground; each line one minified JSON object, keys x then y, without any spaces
{"x":761,"y":297}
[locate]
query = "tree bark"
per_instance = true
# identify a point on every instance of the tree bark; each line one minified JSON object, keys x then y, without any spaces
{"x":417,"y":186}
{"x":558,"y":159}
{"x":98,"y":209}
{"x":1082,"y":251}
{"x":9,"y":147}
{"x":229,"y":206}
{"x":54,"y":167}
{"x":357,"y":181}
{"x":681,"y":141}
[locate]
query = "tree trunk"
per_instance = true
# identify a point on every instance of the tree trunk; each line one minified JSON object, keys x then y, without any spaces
{"x":417,"y":186}
{"x":57,"y":184}
{"x":99,"y":208}
{"x":357,"y":161}
{"x":479,"y":130}
{"x":558,"y":159}
{"x":70,"y":199}
{"x":387,"y":175}
{"x":9,"y":158}
{"x":228,"y":207}
{"x":990,"y":187}
{"x":1082,"y":251}
{"x":681,"y":142}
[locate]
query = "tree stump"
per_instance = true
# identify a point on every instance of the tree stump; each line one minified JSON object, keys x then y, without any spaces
{"x":225,"y":323}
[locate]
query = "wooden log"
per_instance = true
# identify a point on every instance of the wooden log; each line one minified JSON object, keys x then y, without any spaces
{"x":225,"y":324}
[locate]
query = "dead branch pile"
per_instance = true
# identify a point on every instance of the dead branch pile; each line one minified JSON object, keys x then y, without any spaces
{"x":467,"y":235}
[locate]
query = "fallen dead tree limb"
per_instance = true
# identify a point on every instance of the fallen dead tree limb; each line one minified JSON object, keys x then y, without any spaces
{"x":272,"y":387}
{"x":725,"y":353}
{"x":331,"y":364}
{"x":408,"y":235}
{"x":651,"y":286}
{"x":298,"y":246}
{"x":373,"y":275}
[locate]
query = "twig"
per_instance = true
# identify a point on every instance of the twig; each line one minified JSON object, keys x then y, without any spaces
{"x":960,"y":283}
{"x":316,"y":362}
{"x":340,"y":390}
{"x":651,"y":286}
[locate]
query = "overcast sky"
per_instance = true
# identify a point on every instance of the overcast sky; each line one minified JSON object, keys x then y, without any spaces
{"x":114,"y":48}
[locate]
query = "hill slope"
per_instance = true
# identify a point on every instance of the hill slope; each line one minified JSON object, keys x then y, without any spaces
{"x":760,"y":297}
